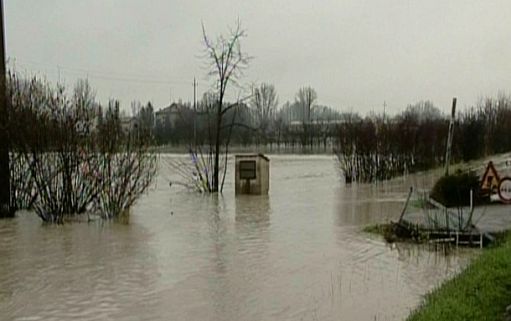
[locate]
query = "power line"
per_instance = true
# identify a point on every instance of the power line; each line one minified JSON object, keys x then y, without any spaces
{"x":88,"y":73}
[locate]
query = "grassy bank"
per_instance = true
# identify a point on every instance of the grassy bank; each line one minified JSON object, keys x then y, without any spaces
{"x":383,"y":229}
{"x":376,"y":228}
{"x":481,"y":292}
{"x":392,"y":234}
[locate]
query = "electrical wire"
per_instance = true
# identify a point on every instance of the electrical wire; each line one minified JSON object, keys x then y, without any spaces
{"x":94,"y":74}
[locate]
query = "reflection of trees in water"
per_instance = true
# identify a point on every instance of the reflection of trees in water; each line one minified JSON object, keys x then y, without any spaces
{"x":363,"y":204}
{"x":252,"y":209}
{"x":102,"y":269}
{"x":366,"y":204}
{"x":390,"y":279}
{"x":238,"y":257}
{"x":220,"y":261}
{"x":424,"y":266}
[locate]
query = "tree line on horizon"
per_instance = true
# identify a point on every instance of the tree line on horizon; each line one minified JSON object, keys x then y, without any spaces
{"x":46,"y":122}
{"x":371,"y":147}
{"x":379,"y":145}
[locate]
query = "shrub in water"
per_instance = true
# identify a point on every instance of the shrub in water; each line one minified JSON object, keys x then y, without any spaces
{"x":454,"y":190}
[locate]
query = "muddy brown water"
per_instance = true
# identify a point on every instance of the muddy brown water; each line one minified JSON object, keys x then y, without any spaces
{"x":297,"y":254}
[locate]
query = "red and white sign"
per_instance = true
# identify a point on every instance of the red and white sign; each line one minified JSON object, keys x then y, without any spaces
{"x":505,"y":190}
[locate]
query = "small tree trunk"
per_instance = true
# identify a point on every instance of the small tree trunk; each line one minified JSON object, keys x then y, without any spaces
{"x":5,"y":192}
{"x":216,"y":167}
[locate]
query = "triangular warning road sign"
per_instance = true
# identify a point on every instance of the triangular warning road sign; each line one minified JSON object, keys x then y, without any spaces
{"x":491,"y":179}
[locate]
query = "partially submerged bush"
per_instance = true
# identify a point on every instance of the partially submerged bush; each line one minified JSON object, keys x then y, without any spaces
{"x":23,"y":192}
{"x":394,"y":232}
{"x":122,"y":172}
{"x":454,"y":190}
{"x":68,"y":160}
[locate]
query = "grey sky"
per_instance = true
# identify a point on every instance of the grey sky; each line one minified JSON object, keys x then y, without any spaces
{"x":356,"y":53}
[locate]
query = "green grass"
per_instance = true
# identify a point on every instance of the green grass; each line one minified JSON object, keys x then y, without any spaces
{"x":376,"y":228}
{"x":385,"y":230}
{"x":481,"y":292}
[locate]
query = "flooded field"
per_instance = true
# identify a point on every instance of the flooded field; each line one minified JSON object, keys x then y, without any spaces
{"x":297,"y":254}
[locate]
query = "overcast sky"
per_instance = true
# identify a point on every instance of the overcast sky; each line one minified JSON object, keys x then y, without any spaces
{"x":356,"y":54}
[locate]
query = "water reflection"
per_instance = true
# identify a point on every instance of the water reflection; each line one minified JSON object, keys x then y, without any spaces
{"x":76,"y":271}
{"x":253,"y":209}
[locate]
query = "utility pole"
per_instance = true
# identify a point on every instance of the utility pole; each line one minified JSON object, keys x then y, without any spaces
{"x":384,"y":109}
{"x":194,"y":113}
{"x":449,"y":137}
{"x":5,"y":192}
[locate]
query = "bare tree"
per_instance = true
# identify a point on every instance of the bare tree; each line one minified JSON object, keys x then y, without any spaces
{"x":146,"y":117}
{"x":279,"y":126}
{"x":123,"y":169}
{"x":136,"y":107}
{"x":50,"y":137}
{"x":305,"y":99}
{"x":84,"y":96}
{"x":5,"y":192}
{"x":226,"y":61}
{"x":264,"y":104}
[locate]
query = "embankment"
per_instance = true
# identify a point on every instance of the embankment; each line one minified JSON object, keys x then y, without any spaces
{"x":481,"y":292}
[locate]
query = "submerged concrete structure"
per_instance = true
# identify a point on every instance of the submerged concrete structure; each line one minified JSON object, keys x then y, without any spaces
{"x":252,"y":174}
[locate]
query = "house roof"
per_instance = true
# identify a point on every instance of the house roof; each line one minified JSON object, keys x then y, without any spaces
{"x":173,"y":108}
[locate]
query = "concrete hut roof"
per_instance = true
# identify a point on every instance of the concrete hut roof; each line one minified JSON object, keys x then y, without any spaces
{"x":252,"y":156}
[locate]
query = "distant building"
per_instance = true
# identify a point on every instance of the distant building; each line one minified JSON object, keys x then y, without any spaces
{"x":89,"y":124}
{"x":297,"y":126}
{"x":128,"y":123}
{"x":169,"y":115}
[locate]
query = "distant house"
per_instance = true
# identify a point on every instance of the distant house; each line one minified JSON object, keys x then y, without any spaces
{"x":83,"y":127}
{"x":128,"y":123}
{"x":89,"y":124}
{"x":331,"y":124}
{"x":169,"y":115}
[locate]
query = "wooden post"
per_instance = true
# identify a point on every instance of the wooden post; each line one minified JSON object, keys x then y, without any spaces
{"x":471,"y":200}
{"x":5,"y":192}
{"x":406,"y":205}
{"x":449,"y":137}
{"x":194,"y":113}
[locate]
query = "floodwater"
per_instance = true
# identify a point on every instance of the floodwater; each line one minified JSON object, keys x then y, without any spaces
{"x":297,"y":254}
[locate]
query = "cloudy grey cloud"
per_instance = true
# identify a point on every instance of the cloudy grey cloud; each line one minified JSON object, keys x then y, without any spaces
{"x":356,"y":54}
